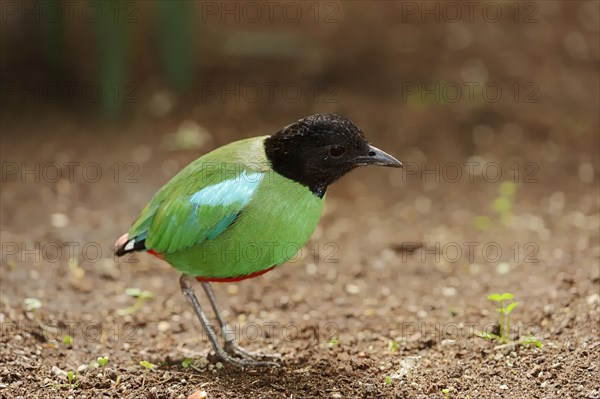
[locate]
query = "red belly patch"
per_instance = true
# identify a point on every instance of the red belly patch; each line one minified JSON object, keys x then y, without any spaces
{"x":233,"y":279}
{"x":219,"y":279}
{"x":152,"y":252}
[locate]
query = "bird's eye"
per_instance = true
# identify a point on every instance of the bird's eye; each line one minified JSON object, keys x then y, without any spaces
{"x":337,"y":151}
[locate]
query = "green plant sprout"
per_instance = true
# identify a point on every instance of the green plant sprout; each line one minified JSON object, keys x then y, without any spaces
{"x":147,"y":367}
{"x":333,"y":342}
{"x":72,"y":377}
{"x":187,"y":362}
{"x":393,"y":345}
{"x":141,"y":296}
{"x":531,"y":340}
{"x":446,"y":392}
{"x":504,"y":310}
{"x":388,"y":380}
{"x":502,"y":205}
{"x":102,"y":362}
{"x":11,"y":264}
{"x":32,"y":304}
{"x":67,"y":340}
{"x":74,"y":270}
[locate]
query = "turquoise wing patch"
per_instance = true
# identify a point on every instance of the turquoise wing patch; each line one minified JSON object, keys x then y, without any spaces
{"x":181,"y":222}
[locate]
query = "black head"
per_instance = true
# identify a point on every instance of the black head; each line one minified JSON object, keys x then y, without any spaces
{"x":319,"y":149}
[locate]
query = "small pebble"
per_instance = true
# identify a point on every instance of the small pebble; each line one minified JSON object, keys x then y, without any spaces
{"x":352,"y":289}
{"x":232,"y":289}
{"x":503,"y":268}
{"x":58,"y":372}
{"x":59,"y":220}
{"x":593,"y":299}
{"x":163,"y":326}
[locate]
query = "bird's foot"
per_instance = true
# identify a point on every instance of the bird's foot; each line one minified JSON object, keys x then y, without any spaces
{"x":233,"y":349}
{"x":244,"y":362}
{"x":247,"y":362}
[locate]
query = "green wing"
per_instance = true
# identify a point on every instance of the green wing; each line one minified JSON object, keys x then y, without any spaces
{"x":200,"y":202}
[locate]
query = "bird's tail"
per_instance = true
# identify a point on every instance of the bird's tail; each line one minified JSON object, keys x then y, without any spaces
{"x":125,"y":244}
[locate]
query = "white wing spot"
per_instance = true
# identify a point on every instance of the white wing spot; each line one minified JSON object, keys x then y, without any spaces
{"x":129,"y":245}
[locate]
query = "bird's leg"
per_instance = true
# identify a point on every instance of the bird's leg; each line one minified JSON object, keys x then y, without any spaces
{"x":188,"y":292}
{"x":231,"y":346}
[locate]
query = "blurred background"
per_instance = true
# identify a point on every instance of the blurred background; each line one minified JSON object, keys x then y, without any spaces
{"x":492,"y":106}
{"x":146,"y":80}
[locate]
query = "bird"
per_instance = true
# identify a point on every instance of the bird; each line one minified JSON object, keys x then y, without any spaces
{"x":235,"y":212}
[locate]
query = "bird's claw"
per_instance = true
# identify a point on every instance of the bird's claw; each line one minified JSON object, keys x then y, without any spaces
{"x":245,"y":362}
{"x":235,"y":354}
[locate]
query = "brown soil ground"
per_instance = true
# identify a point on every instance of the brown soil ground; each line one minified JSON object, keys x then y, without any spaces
{"x":385,"y":299}
{"x":360,"y":284}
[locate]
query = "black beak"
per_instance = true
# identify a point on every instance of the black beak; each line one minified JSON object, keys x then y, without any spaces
{"x":379,"y":158}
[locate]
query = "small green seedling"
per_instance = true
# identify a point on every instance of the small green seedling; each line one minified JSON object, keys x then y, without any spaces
{"x":388,"y":380}
{"x":531,"y":340}
{"x":141,"y":296}
{"x":32,"y":304}
{"x":333,"y":342}
{"x":446,"y":392}
{"x":102,"y":362}
{"x":74,"y":270}
{"x":502,"y":205}
{"x":504,"y":321}
{"x":72,"y":378}
{"x":67,"y":340}
{"x":147,"y":367}
{"x":187,"y":362}
{"x":482,"y":223}
{"x":504,"y":310}
{"x":393,"y":345}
